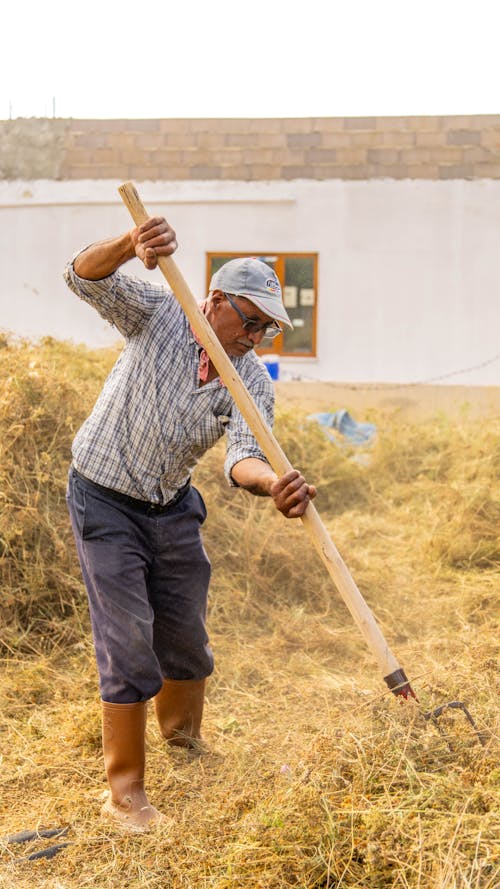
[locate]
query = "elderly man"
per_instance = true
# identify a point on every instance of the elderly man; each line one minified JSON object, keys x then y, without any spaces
{"x":135,"y":515}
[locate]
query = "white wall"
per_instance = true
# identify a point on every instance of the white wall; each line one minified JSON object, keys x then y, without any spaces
{"x":409,"y":274}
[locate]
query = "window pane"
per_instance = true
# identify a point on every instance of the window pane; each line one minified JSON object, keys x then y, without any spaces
{"x":216,"y":262}
{"x":300,"y":299}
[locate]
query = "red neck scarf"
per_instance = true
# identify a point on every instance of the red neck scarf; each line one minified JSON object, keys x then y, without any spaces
{"x":204,"y":364}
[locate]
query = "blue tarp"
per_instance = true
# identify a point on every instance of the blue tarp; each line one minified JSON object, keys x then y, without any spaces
{"x":341,"y":423}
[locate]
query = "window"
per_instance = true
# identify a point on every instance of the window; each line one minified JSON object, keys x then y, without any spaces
{"x":298,"y":273}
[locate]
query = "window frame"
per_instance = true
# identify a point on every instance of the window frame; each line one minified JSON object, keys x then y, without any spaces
{"x":275,"y":346}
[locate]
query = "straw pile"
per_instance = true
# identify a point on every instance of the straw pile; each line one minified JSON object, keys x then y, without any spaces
{"x":314,"y":776}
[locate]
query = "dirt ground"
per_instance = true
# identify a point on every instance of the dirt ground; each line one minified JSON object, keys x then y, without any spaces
{"x":421,"y":402}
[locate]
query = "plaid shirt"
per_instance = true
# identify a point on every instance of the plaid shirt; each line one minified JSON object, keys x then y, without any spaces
{"x":153,"y":421}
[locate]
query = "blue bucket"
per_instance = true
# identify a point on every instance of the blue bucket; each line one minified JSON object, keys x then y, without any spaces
{"x":273,"y":366}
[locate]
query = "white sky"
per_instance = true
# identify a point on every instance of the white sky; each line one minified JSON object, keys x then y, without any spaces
{"x":259,"y":58}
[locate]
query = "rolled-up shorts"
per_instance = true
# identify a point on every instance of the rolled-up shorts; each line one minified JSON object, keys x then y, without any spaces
{"x":147,"y":575}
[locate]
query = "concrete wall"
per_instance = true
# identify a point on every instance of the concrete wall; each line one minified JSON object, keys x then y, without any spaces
{"x":408,"y":270}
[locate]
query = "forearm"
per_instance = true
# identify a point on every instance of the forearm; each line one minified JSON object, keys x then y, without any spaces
{"x":255,"y":475}
{"x":291,"y":493}
{"x":105,"y":257}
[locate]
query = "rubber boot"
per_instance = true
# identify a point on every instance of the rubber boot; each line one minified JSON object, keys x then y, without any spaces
{"x":179,"y":708}
{"x":123,"y":742}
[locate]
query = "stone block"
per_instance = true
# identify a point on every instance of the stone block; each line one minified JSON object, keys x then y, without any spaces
{"x":392,"y":123}
{"x":431,"y":139}
{"x":236,"y":125}
{"x":103,"y":156}
{"x":425,"y":123}
{"x":321,"y":155}
{"x":204,"y":171}
{"x":454,"y":122}
{"x":396,"y":139}
{"x":143,"y":125}
{"x":487,"y":171}
{"x":179,"y":140}
{"x":258,"y":156}
{"x":463,"y":137}
{"x":199,"y":157}
{"x":289,"y":156}
{"x":352,"y":156}
{"x":491,"y":138}
{"x":111,"y":171}
{"x":269,"y":140}
{"x":431,"y":155}
{"x":246,"y":140}
{"x":265,"y":125}
{"x":255,"y":140}
{"x":344,"y":171}
{"x":178,"y":125}
{"x":303,"y":140}
{"x":167,"y":157}
{"x":480,"y":155}
{"x":90,"y":140}
{"x":336,"y":139}
{"x":328,"y":124}
{"x":423,"y":171}
{"x":469,"y":122}
{"x":150,"y":141}
{"x":122,"y":140}
{"x":360,"y":123}
{"x":144,"y":173}
{"x":413,"y":155}
{"x":266,"y":172}
{"x":237,"y":172}
{"x":293,"y":125}
{"x":83,"y":171}
{"x":297,"y":171}
{"x":76,"y":157}
{"x":382,"y":156}
{"x":456,"y":171}
{"x":210,"y":139}
{"x":98,"y":126}
{"x":135,"y":156}
{"x":171,"y":173}
{"x":389,"y":171}
{"x":446,"y":155}
{"x":232,"y":156}
{"x":367,"y":139}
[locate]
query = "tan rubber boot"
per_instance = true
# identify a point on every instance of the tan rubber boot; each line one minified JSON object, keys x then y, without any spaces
{"x":179,"y":708}
{"x":123,"y":742}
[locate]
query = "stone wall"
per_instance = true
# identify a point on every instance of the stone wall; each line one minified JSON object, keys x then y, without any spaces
{"x":362,"y":148}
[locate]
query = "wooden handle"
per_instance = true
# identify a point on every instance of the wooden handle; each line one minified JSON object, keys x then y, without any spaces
{"x":230,"y":377}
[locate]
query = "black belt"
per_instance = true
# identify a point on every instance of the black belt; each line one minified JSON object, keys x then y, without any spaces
{"x":141,"y":505}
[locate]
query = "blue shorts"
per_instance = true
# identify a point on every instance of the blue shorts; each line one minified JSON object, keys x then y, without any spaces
{"x":147,"y":576}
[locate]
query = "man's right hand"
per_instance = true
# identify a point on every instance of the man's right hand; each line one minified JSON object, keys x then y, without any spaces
{"x":149,"y":241}
{"x":152,"y":239}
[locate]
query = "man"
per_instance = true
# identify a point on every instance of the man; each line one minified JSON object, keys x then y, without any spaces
{"x":135,"y":516}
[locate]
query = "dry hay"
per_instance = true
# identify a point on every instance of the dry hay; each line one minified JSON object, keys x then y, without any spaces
{"x":314,"y":776}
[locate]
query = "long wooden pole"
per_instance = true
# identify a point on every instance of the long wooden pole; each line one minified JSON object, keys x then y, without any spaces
{"x":391,"y":670}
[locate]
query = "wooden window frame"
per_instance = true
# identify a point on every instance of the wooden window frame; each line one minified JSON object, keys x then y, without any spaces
{"x":276,"y":345}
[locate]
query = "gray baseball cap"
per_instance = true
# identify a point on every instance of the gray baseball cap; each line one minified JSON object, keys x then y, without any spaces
{"x":256,"y":281}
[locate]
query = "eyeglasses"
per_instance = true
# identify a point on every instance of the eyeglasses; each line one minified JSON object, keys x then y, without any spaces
{"x":252,"y":326}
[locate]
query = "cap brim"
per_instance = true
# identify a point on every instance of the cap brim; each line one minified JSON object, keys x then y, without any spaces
{"x":271,"y":307}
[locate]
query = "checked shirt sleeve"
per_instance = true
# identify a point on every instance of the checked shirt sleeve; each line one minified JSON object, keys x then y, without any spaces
{"x":240,"y":443}
{"x":126,"y":301}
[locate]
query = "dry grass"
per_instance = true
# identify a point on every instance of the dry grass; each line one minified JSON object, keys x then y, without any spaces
{"x":315,"y":777}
